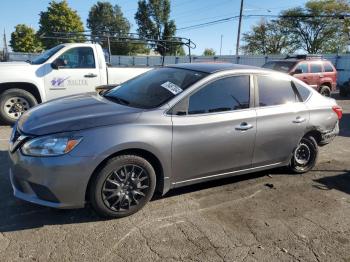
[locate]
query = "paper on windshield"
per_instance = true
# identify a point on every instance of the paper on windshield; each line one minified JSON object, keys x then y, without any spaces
{"x":172,"y":87}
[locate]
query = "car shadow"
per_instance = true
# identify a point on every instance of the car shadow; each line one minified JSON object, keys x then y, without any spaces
{"x":339,"y":182}
{"x":344,"y":126}
{"x":17,"y":215}
{"x":338,"y":97}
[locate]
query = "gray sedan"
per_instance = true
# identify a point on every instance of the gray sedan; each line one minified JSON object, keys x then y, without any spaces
{"x":170,"y":127}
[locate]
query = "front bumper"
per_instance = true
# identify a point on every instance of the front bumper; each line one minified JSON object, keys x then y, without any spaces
{"x":58,"y":182}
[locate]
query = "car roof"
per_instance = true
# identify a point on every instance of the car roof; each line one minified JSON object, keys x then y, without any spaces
{"x":212,"y":67}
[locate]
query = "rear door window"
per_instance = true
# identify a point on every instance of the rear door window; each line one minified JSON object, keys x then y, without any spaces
{"x":275,"y":91}
{"x":316,"y":68}
{"x":227,"y":94}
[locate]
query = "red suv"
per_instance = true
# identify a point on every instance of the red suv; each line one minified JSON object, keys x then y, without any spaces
{"x":314,"y":71}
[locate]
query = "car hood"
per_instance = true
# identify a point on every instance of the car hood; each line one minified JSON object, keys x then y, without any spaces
{"x":74,"y":113}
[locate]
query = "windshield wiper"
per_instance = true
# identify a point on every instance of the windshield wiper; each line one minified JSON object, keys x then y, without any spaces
{"x":117,"y":99}
{"x":28,"y":61}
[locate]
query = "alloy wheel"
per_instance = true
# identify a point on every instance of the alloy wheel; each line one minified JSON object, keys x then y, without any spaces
{"x":125,"y":187}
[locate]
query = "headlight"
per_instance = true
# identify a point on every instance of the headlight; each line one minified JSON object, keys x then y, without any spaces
{"x":50,"y":145}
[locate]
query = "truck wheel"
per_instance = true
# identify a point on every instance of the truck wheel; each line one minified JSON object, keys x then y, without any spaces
{"x":13,"y":103}
{"x":325,"y":91}
{"x":123,"y":186}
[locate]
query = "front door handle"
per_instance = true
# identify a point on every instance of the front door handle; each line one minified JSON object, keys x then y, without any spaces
{"x":244,"y":126}
{"x":299,"y":120}
{"x":90,"y":75}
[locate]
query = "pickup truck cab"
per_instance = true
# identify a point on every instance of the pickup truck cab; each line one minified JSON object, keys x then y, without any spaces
{"x":64,"y":70}
{"x":318,"y":73}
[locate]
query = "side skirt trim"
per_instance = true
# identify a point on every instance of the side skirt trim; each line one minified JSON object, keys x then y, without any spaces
{"x":227,"y":173}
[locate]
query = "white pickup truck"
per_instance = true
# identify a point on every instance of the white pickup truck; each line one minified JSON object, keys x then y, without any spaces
{"x":66,"y":69}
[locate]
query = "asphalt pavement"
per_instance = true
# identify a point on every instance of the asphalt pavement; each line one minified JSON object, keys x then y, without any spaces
{"x":266,"y":216}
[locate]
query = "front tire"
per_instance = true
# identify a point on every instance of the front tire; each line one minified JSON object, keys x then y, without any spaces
{"x":305,"y":155}
{"x":123,"y":186}
{"x":13,"y":103}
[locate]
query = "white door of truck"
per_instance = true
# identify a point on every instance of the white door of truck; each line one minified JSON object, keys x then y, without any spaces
{"x":77,"y":72}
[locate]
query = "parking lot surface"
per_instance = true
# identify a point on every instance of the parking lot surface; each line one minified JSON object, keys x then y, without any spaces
{"x":267,"y":216}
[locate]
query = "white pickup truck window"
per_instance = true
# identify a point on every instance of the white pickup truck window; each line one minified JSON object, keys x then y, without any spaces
{"x":79,"y":57}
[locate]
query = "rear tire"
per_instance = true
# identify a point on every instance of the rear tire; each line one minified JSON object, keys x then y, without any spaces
{"x":123,"y":186}
{"x":13,"y":103}
{"x":325,"y":91}
{"x":304,"y":156}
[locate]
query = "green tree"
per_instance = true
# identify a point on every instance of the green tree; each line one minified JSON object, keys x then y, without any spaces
{"x":24,"y":39}
{"x":268,"y":38}
{"x":317,"y":26}
{"x":59,"y":17}
{"x":209,"y":52}
{"x":109,"y":20}
{"x":153,"y":20}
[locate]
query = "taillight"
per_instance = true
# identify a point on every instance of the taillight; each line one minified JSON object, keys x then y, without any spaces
{"x":338,"y":110}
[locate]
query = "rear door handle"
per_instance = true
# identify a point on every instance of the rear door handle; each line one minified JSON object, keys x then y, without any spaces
{"x":90,"y":75}
{"x":299,"y":120}
{"x":244,"y":126}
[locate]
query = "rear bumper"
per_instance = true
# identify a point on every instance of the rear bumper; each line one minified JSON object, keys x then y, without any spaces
{"x":329,"y":135}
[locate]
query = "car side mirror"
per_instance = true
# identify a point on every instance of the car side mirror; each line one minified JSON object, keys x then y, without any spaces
{"x":59,"y":62}
{"x":297,"y":71}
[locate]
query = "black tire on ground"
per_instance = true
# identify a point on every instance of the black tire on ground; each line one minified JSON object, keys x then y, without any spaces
{"x":24,"y":95}
{"x":343,"y":92}
{"x":122,"y":186}
{"x":325,"y":91}
{"x":305,"y":155}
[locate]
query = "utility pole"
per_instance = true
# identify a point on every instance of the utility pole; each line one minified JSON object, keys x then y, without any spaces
{"x":5,"y":51}
{"x":221,"y":44}
{"x":239,"y":27}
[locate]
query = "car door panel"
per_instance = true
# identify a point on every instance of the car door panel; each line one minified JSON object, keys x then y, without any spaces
{"x":77,"y":77}
{"x":211,"y":144}
{"x":217,"y":132}
{"x":279,"y":130}
{"x":281,"y":119}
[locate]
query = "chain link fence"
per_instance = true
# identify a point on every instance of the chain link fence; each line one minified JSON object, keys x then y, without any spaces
{"x":341,"y":62}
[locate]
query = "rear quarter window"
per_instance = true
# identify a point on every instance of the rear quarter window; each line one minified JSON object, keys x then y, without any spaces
{"x":328,"y":67}
{"x":303,"y":91}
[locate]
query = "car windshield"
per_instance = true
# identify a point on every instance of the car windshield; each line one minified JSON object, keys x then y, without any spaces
{"x":46,"y":55}
{"x":282,"y":66}
{"x":154,"y":88}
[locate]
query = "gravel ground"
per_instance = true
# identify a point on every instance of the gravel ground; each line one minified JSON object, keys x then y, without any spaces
{"x":301,"y":218}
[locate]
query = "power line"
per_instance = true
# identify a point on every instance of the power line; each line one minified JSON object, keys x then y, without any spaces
{"x":227,"y":19}
{"x":209,"y":23}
